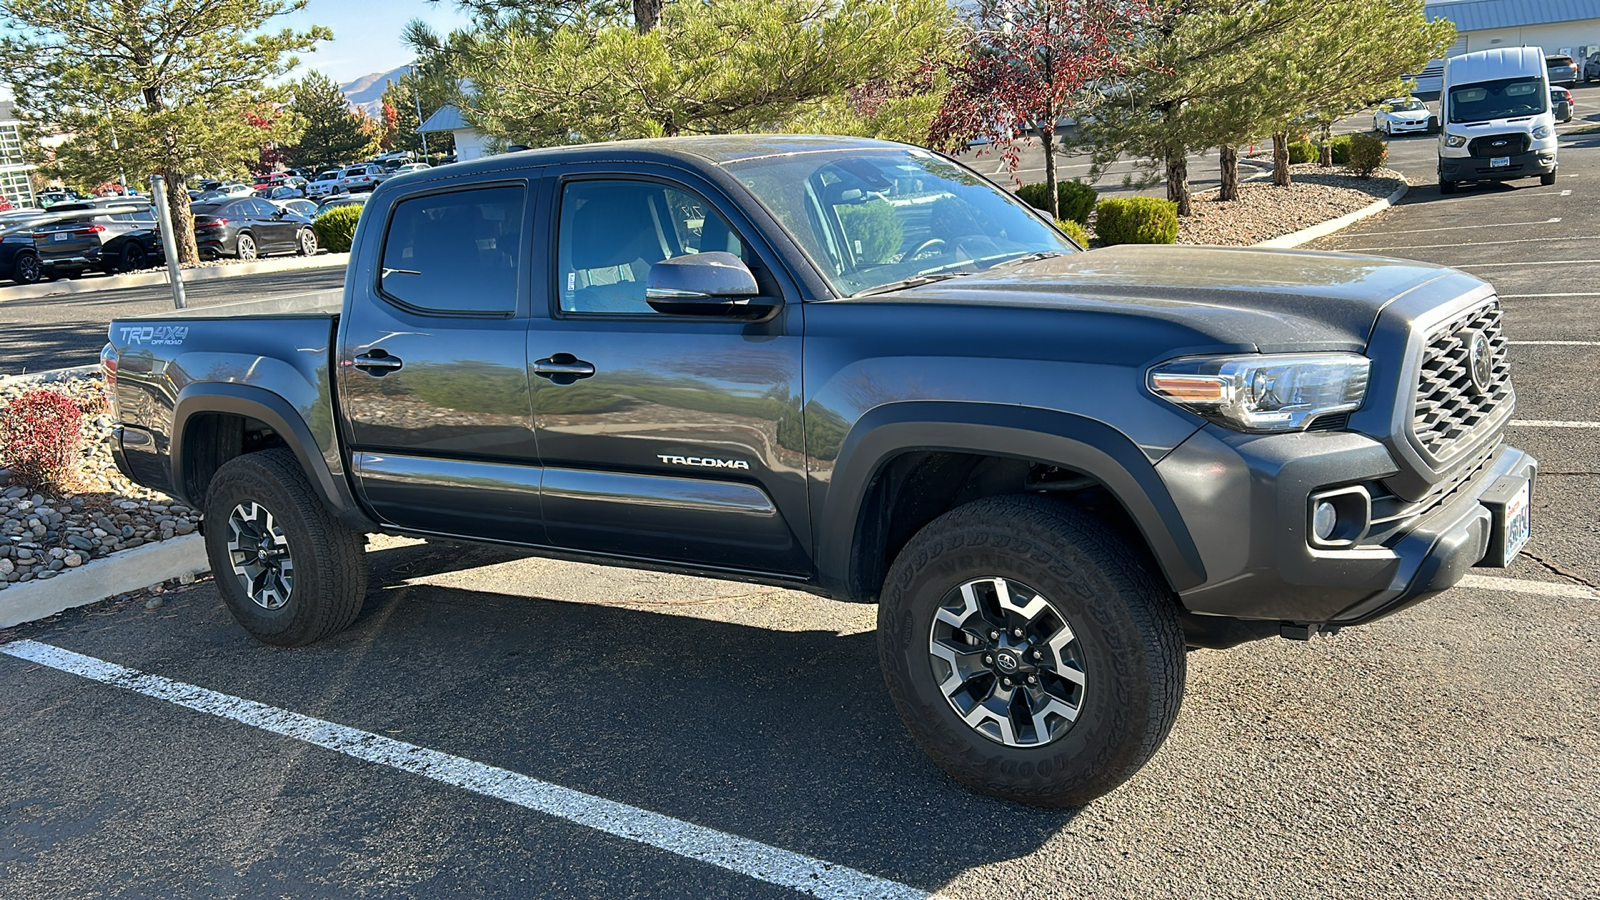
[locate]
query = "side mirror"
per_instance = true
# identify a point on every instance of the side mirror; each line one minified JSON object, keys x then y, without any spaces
{"x":715,"y":283}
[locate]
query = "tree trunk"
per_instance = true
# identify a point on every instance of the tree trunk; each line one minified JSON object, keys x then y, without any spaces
{"x":646,"y":15}
{"x":182,"y":218}
{"x":1178,"y":181}
{"x":1280,"y":159}
{"x":1228,"y":157}
{"x":1327,"y":145}
{"x":1047,"y":137}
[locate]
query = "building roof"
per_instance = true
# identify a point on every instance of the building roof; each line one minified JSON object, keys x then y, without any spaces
{"x":8,"y":111}
{"x":445,"y":118}
{"x":1478,"y":15}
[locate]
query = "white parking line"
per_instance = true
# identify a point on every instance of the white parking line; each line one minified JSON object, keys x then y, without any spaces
{"x":1554,"y":343}
{"x":1523,"y":586}
{"x":1543,"y":240}
{"x":1538,"y":296}
{"x":1549,"y":262}
{"x":736,"y":854}
{"x":1553,"y":423}
{"x":1458,"y":228}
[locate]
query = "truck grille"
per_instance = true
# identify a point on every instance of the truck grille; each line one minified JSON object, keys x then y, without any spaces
{"x":1451,"y":406}
{"x":1498,"y":145}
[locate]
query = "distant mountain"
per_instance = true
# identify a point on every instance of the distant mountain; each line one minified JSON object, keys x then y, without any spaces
{"x":366,"y":92}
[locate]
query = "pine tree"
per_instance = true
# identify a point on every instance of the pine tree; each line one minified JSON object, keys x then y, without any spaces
{"x":335,"y":134}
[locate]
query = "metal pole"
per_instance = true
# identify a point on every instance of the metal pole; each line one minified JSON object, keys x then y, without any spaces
{"x":169,"y":242}
{"x":416,"y":94}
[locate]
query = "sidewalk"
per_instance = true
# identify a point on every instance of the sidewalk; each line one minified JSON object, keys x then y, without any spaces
{"x":159,"y":277}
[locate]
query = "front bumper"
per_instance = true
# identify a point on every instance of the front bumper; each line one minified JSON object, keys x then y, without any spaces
{"x":1247,"y":500}
{"x":1408,"y":127}
{"x":1477,"y":168}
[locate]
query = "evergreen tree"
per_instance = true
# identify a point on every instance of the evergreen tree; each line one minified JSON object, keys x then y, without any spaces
{"x":335,"y":134}
{"x":152,"y":85}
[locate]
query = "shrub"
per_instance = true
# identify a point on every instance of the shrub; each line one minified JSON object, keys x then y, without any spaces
{"x":39,"y":434}
{"x":336,"y":228}
{"x":1136,"y":220}
{"x":1367,"y":154}
{"x":873,"y":229}
{"x":1076,"y":199}
{"x":1302,"y":152}
{"x":1074,"y":230}
{"x":1341,"y":149}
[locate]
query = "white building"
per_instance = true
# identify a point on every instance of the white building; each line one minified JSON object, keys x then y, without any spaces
{"x":469,"y":141}
{"x":1569,"y":27}
{"x":14,"y":166}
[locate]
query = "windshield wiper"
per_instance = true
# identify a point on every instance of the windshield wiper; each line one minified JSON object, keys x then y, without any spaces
{"x":913,"y":281}
{"x":1026,"y":257}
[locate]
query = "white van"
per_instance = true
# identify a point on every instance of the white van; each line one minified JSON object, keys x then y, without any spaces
{"x":1495,"y":118}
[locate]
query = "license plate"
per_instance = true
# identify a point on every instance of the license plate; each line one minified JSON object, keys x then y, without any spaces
{"x":60,"y":236}
{"x":1518,"y":524}
{"x":1499,"y":161}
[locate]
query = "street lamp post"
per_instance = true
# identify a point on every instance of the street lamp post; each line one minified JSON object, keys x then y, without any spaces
{"x":416,"y":94}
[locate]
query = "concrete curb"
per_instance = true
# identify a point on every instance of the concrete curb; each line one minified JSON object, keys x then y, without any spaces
{"x":49,"y":376}
{"x":96,"y":580}
{"x":190,"y":276}
{"x":1329,"y":227}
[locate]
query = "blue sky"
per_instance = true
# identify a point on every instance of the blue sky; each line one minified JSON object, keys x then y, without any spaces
{"x":366,"y":34}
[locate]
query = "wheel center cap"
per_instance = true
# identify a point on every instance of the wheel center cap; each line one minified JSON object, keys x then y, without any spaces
{"x":1005,"y":662}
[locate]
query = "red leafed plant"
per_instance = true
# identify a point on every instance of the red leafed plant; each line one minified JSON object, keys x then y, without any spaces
{"x":39,"y":435}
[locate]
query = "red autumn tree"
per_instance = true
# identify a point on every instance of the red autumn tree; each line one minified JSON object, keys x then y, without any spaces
{"x":1027,"y":64}
{"x":391,"y":125}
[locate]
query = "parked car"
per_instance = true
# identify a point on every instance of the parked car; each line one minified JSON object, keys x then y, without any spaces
{"x":326,"y":184}
{"x":120,"y":239}
{"x":362,"y":177}
{"x":250,"y":227}
{"x":343,"y":200}
{"x":1495,"y":107}
{"x":304,"y":207}
{"x":286,"y":192}
{"x":412,"y":167}
{"x":1404,"y":115}
{"x":237,"y":189}
{"x":1561,"y":103}
{"x":47,"y":199}
{"x":19,"y":261}
{"x":1562,"y":69}
{"x":1591,"y":67}
{"x":1052,"y":470}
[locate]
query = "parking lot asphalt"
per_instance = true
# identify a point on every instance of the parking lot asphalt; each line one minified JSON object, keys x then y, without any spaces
{"x":1450,"y":750}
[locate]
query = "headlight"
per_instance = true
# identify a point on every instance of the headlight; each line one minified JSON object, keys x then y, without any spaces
{"x":1263,"y":393}
{"x":1542,"y":132}
{"x":1455,"y":140}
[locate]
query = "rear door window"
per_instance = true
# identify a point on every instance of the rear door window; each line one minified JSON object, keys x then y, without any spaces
{"x":455,"y":252}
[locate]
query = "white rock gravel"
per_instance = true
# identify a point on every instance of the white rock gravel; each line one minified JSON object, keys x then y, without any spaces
{"x":1264,"y":211}
{"x":43,"y":533}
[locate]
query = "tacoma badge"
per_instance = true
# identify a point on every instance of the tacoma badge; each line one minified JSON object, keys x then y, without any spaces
{"x":705,"y":461}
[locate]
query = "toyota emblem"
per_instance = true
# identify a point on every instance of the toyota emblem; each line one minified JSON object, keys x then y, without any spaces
{"x":1480,"y":363}
{"x":1006,"y":662}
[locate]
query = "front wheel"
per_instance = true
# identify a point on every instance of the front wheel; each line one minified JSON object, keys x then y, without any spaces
{"x":247,"y":247}
{"x":1446,"y":186}
{"x":1547,"y":180}
{"x":289,"y":572}
{"x":1031,"y":650}
{"x":307,"y":245}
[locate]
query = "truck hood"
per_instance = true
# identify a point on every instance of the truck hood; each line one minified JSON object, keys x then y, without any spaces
{"x":1275,"y":300}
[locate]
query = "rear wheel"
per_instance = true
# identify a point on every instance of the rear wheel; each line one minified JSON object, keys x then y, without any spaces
{"x":133,"y":258}
{"x":26,"y":269}
{"x":1030,"y":650}
{"x":308,"y":242}
{"x":289,"y":572}
{"x":246,"y":247}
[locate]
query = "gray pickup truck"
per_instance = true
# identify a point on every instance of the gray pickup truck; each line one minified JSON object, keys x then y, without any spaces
{"x":858,"y":369}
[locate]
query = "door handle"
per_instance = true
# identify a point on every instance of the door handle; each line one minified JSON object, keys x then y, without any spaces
{"x":563,"y":368}
{"x":377,"y":363}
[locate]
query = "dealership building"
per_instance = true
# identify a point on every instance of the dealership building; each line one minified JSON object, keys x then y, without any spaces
{"x":14,"y":166}
{"x":1570,"y":27}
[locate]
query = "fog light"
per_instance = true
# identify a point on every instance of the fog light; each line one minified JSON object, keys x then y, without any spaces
{"x":1324,"y":520}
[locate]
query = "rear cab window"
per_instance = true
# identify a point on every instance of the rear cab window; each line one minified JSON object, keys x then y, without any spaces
{"x":456,"y":252}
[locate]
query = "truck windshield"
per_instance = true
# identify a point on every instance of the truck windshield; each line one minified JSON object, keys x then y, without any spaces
{"x":877,"y":219}
{"x":1506,"y":98}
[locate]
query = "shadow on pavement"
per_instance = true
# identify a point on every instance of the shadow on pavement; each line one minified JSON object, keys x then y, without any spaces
{"x":35,"y":347}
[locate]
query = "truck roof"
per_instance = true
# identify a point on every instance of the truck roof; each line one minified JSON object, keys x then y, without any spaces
{"x":715,"y":149}
{"x":1488,"y":65}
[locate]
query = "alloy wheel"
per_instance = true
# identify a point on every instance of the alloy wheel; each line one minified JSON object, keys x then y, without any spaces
{"x":259,"y":552}
{"x":28,"y":269}
{"x":247,"y":247}
{"x":1007,"y":661}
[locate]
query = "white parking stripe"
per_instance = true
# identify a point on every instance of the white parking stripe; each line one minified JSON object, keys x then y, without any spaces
{"x":1523,"y":586}
{"x":736,"y":854}
{"x":1457,"y":228}
{"x":1538,"y":296}
{"x":1553,"y":423}
{"x":1549,"y":262}
{"x":1543,"y":240}
{"x":1554,"y":343}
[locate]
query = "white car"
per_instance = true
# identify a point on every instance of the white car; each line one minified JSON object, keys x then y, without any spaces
{"x":363,"y":177}
{"x":326,"y":184}
{"x":1403,"y":115}
{"x":412,"y":167}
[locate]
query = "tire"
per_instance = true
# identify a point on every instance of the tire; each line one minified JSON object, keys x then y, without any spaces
{"x":1547,"y":180}
{"x":25,"y":269}
{"x":307,"y":243}
{"x":133,"y":258}
{"x":1123,"y":645}
{"x":1447,"y":187}
{"x":245,"y":248}
{"x":313,"y":579}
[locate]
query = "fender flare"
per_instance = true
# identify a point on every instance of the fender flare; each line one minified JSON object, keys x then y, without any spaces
{"x":1047,"y":436}
{"x":265,"y":406}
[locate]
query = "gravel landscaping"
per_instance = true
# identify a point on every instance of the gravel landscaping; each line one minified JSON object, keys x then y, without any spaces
{"x":44,"y":533}
{"x":1264,"y":211}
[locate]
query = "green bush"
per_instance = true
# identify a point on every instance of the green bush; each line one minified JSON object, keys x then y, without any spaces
{"x":1136,"y":220}
{"x":1341,"y":149}
{"x":336,"y":228}
{"x":1367,"y":154}
{"x":874,"y":230}
{"x":1302,"y":152}
{"x":1076,"y":199}
{"x":1075,"y":230}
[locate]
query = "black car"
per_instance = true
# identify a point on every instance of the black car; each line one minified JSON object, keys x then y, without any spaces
{"x":250,"y":227}
{"x":18,"y":259}
{"x":120,"y":239}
